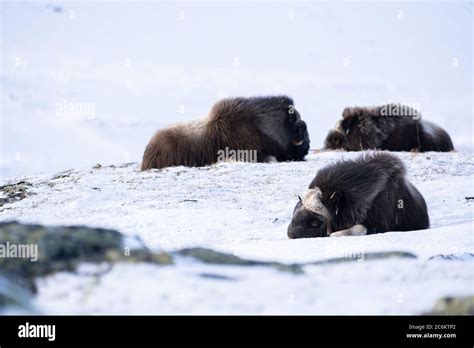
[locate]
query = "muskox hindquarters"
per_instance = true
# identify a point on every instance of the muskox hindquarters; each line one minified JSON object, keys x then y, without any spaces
{"x":368,"y":195}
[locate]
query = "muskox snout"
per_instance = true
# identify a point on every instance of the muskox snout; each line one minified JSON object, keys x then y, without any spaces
{"x":296,"y":231}
{"x":291,"y":232}
{"x":300,"y":133}
{"x":299,"y":146}
{"x":334,"y":140}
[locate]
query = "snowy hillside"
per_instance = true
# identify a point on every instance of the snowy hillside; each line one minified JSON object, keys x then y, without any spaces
{"x":244,"y":209}
{"x":99,"y":77}
{"x":88,"y":82}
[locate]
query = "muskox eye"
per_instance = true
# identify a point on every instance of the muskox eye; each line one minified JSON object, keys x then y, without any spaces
{"x":315,"y":223}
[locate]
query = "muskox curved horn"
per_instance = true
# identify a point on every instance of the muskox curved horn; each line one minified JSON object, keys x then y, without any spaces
{"x":312,"y":202}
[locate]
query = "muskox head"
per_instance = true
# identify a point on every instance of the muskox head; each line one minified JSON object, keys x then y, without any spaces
{"x":359,"y":131}
{"x":298,"y":132}
{"x":310,"y":217}
{"x":335,"y":140}
{"x":284,"y":134}
{"x":356,"y":131}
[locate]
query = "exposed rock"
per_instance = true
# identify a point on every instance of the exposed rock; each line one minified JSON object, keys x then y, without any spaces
{"x":453,"y":306}
{"x":49,"y":249}
{"x":366,"y":257}
{"x":14,"y":294}
{"x":62,"y":175}
{"x":62,"y":248}
{"x":217,"y":276}
{"x":217,"y":258}
{"x":453,"y":257}
{"x":15,"y":192}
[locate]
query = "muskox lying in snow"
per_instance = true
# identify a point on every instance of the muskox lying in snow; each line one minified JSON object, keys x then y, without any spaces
{"x":269,"y":127}
{"x":356,"y":197}
{"x":392,"y":127}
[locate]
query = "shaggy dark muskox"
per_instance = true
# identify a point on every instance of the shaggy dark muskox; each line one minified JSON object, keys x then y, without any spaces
{"x":356,"y":197}
{"x":392,"y":127}
{"x":269,"y":127}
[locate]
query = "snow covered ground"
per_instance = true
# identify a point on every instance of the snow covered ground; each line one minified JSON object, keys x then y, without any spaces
{"x":86,"y":82}
{"x":99,"y":77}
{"x":244,"y":209}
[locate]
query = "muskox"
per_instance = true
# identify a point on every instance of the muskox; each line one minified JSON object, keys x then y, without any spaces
{"x":392,"y":127}
{"x":368,"y":195}
{"x":269,"y":126}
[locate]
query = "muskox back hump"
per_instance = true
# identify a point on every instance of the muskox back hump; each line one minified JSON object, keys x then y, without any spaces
{"x":403,"y":137}
{"x":414,"y":211}
{"x":399,"y":207}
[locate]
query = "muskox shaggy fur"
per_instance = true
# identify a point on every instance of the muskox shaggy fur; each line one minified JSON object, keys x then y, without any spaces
{"x":356,"y":197}
{"x":392,"y":127}
{"x":269,"y":126}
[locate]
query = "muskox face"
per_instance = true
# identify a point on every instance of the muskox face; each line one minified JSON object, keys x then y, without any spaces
{"x":335,"y":140}
{"x":310,"y":217}
{"x":351,"y":127}
{"x":306,"y":224}
{"x":298,"y":132}
{"x":360,"y":132}
{"x":353,"y":133}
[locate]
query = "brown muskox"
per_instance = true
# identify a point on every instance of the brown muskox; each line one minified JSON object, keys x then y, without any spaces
{"x":368,"y":195}
{"x":270,"y":127}
{"x":392,"y":127}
